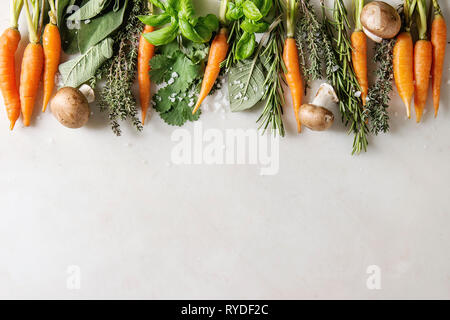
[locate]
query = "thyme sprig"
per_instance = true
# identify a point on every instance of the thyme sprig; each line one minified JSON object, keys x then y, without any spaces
{"x":119,"y":72}
{"x":340,"y":73}
{"x":310,"y":42}
{"x":379,"y":93}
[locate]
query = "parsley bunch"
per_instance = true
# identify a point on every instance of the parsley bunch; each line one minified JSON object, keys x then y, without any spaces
{"x":178,"y":68}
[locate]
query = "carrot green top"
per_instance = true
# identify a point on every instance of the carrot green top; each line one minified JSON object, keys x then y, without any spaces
{"x":53,"y":11}
{"x":290,"y":21}
{"x":34,"y":19}
{"x":223,"y":12}
{"x":15,"y":7}
{"x":408,"y":9}
{"x":437,"y":8}
{"x":422,"y":19}
{"x":359,"y":5}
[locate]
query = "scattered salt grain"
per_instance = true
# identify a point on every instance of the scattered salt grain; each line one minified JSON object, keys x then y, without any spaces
{"x":358,"y":94}
{"x":171,"y":80}
{"x":335,"y":68}
{"x":174,"y":75}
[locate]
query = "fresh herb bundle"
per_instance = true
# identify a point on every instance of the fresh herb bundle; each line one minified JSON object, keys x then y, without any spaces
{"x":341,"y":75}
{"x":310,"y":42}
{"x":178,"y":68}
{"x":271,"y":57}
{"x":379,"y":93}
{"x":119,"y":72}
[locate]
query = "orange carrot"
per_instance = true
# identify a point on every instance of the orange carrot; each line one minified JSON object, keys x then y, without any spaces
{"x":32,"y":64}
{"x":403,"y":59}
{"x":145,"y":53}
{"x":423,"y":57}
{"x":291,"y":61}
{"x":217,"y":53}
{"x":403,"y":64}
{"x":51,"y":40}
{"x":439,"y":42}
{"x":359,"y":52}
{"x":9,"y":41}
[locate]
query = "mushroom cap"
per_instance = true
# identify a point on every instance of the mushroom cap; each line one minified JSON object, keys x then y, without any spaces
{"x":315,"y":117}
{"x":381,"y":20}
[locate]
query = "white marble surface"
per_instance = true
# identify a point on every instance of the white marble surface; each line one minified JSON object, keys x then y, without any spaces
{"x":139,"y":226}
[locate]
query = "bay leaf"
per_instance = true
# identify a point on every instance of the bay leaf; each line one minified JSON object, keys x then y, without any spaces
{"x":99,"y":28}
{"x":90,"y":10}
{"x":77,"y":71}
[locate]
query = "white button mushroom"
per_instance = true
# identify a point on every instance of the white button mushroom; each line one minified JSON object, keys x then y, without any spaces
{"x":380,"y":21}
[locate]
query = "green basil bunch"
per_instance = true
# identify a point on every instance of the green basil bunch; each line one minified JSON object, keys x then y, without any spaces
{"x":249,"y":13}
{"x":180,"y":16}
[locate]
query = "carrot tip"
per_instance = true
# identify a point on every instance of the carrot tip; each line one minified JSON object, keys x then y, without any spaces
{"x":144,"y":115}
{"x":418,"y":115}
{"x":11,"y":125}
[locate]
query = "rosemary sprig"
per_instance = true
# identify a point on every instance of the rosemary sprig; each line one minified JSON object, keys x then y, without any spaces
{"x":310,"y":42}
{"x":340,"y":73}
{"x":379,"y":93}
{"x":271,"y":58}
{"x":271,"y":116}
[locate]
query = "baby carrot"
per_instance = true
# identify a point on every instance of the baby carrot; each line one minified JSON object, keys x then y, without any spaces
{"x":439,"y":42}
{"x":51,"y":40}
{"x":32,"y":64}
{"x":403,"y":60}
{"x":291,"y":61}
{"x":217,"y":54}
{"x":423,"y":57}
{"x":145,"y":53}
{"x":359,"y":52}
{"x":9,"y":41}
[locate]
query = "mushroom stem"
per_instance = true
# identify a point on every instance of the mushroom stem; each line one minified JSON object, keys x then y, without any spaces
{"x":325,"y":95}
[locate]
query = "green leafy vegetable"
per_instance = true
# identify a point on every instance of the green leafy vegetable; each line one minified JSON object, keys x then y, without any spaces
{"x":155,"y":20}
{"x":99,"y":28}
{"x":251,"y":11}
{"x":77,"y":71}
{"x":245,"y":84}
{"x":180,"y":70}
{"x":182,"y":20}
{"x":88,"y":11}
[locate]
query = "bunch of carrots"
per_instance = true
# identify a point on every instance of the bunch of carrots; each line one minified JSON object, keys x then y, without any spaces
{"x":413,"y":65}
{"x":38,"y":59}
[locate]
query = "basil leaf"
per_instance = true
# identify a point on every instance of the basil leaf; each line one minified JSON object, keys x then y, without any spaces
{"x":245,"y":46}
{"x":265,"y":8}
{"x":77,"y":71}
{"x":164,"y":35}
{"x":158,"y":4}
{"x":251,"y":11}
{"x":188,"y":31}
{"x":245,"y":84}
{"x":210,"y":21}
{"x":155,"y":20}
{"x":254,"y":27}
{"x":99,"y":28}
{"x":90,"y":10}
{"x":233,"y":12}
